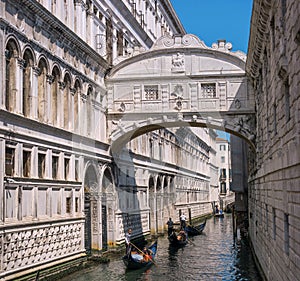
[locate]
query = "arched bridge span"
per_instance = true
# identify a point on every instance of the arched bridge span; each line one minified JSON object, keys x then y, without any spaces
{"x":180,"y":82}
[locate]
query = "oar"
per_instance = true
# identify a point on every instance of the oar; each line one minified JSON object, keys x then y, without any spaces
{"x":142,"y":252}
{"x":191,"y":242}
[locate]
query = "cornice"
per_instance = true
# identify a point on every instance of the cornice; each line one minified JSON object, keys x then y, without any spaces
{"x":61,"y":31}
{"x":166,"y":4}
{"x":261,"y":11}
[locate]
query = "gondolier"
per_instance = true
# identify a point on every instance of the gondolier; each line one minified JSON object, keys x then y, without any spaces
{"x":127,"y":241}
{"x":183,"y":221}
{"x":170,"y":226}
{"x":140,"y":258}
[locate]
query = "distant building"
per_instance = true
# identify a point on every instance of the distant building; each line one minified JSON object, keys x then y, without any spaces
{"x":239,"y":184}
{"x":226,"y":196}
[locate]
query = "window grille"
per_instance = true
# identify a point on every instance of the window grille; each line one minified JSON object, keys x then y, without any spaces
{"x":208,"y":90}
{"x":151,"y":92}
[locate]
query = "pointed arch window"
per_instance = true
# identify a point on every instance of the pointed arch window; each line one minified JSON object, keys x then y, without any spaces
{"x":11,"y":55}
{"x":54,"y":95}
{"x":42,"y":90}
{"x":76,"y":104}
{"x":27,"y":82}
{"x":67,"y":86}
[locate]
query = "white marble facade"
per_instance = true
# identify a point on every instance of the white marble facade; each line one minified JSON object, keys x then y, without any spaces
{"x":61,"y":193}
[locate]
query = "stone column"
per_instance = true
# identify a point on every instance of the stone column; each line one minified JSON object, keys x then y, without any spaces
{"x":48,"y":106}
{"x":83,"y":109}
{"x":70,"y":7}
{"x":71,"y":113}
{"x":78,"y":17}
{"x":19,"y":86}
{"x":72,"y":168}
{"x":96,"y":221}
{"x":34,"y":162}
{"x":60,"y":104}
{"x":96,"y":121}
{"x":91,"y":33}
{"x":60,"y":10}
{"x":34,"y":90}
{"x":19,"y":160}
{"x":114,"y":46}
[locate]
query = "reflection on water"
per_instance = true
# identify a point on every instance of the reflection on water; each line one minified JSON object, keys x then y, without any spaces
{"x":213,"y":255}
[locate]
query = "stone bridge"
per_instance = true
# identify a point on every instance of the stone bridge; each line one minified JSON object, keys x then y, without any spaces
{"x":179,"y":82}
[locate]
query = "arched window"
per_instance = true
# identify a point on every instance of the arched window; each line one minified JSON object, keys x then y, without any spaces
{"x":27,"y":82}
{"x":42,"y":90}
{"x":77,"y":87}
{"x":11,"y":55}
{"x":54,"y":95}
{"x":67,"y":85}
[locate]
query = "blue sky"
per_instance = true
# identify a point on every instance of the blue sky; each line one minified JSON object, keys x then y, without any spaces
{"x":211,"y":20}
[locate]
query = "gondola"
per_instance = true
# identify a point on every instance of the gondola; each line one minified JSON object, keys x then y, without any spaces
{"x":219,"y":215}
{"x":136,"y":261}
{"x":178,"y":239}
{"x":195,"y":230}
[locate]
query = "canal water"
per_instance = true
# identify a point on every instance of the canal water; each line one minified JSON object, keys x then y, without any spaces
{"x":213,"y":255}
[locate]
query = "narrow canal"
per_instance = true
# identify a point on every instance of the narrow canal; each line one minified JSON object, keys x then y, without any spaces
{"x":213,"y":255}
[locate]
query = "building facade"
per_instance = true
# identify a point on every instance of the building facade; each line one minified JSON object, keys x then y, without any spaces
{"x":62,"y":195}
{"x":273,"y":63}
{"x":226,"y":196}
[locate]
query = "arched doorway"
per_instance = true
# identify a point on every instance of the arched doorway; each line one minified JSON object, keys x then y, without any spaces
{"x":108,"y":206}
{"x":90,"y":188}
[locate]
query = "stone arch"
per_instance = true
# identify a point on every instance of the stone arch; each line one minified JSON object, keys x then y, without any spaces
{"x":91,"y":207}
{"x":12,"y":53}
{"x":109,"y":204}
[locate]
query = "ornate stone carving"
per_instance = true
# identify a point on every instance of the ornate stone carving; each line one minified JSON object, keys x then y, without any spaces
{"x":178,"y":62}
{"x":188,"y":40}
{"x":37,"y":245}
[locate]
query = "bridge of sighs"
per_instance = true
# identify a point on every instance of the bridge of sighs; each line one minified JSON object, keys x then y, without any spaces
{"x":180,"y":82}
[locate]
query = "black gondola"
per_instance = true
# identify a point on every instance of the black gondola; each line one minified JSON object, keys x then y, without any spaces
{"x":136,"y":261}
{"x":178,"y":239}
{"x":219,"y":215}
{"x":195,"y":230}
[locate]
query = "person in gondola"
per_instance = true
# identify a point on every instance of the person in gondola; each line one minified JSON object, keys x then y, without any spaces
{"x":217,"y":209}
{"x":146,"y":254}
{"x":181,"y":235}
{"x":127,"y":241}
{"x":183,"y":221}
{"x":170,"y":226}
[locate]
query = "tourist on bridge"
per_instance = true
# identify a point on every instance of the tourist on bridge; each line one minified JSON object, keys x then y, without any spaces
{"x":170,"y":226}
